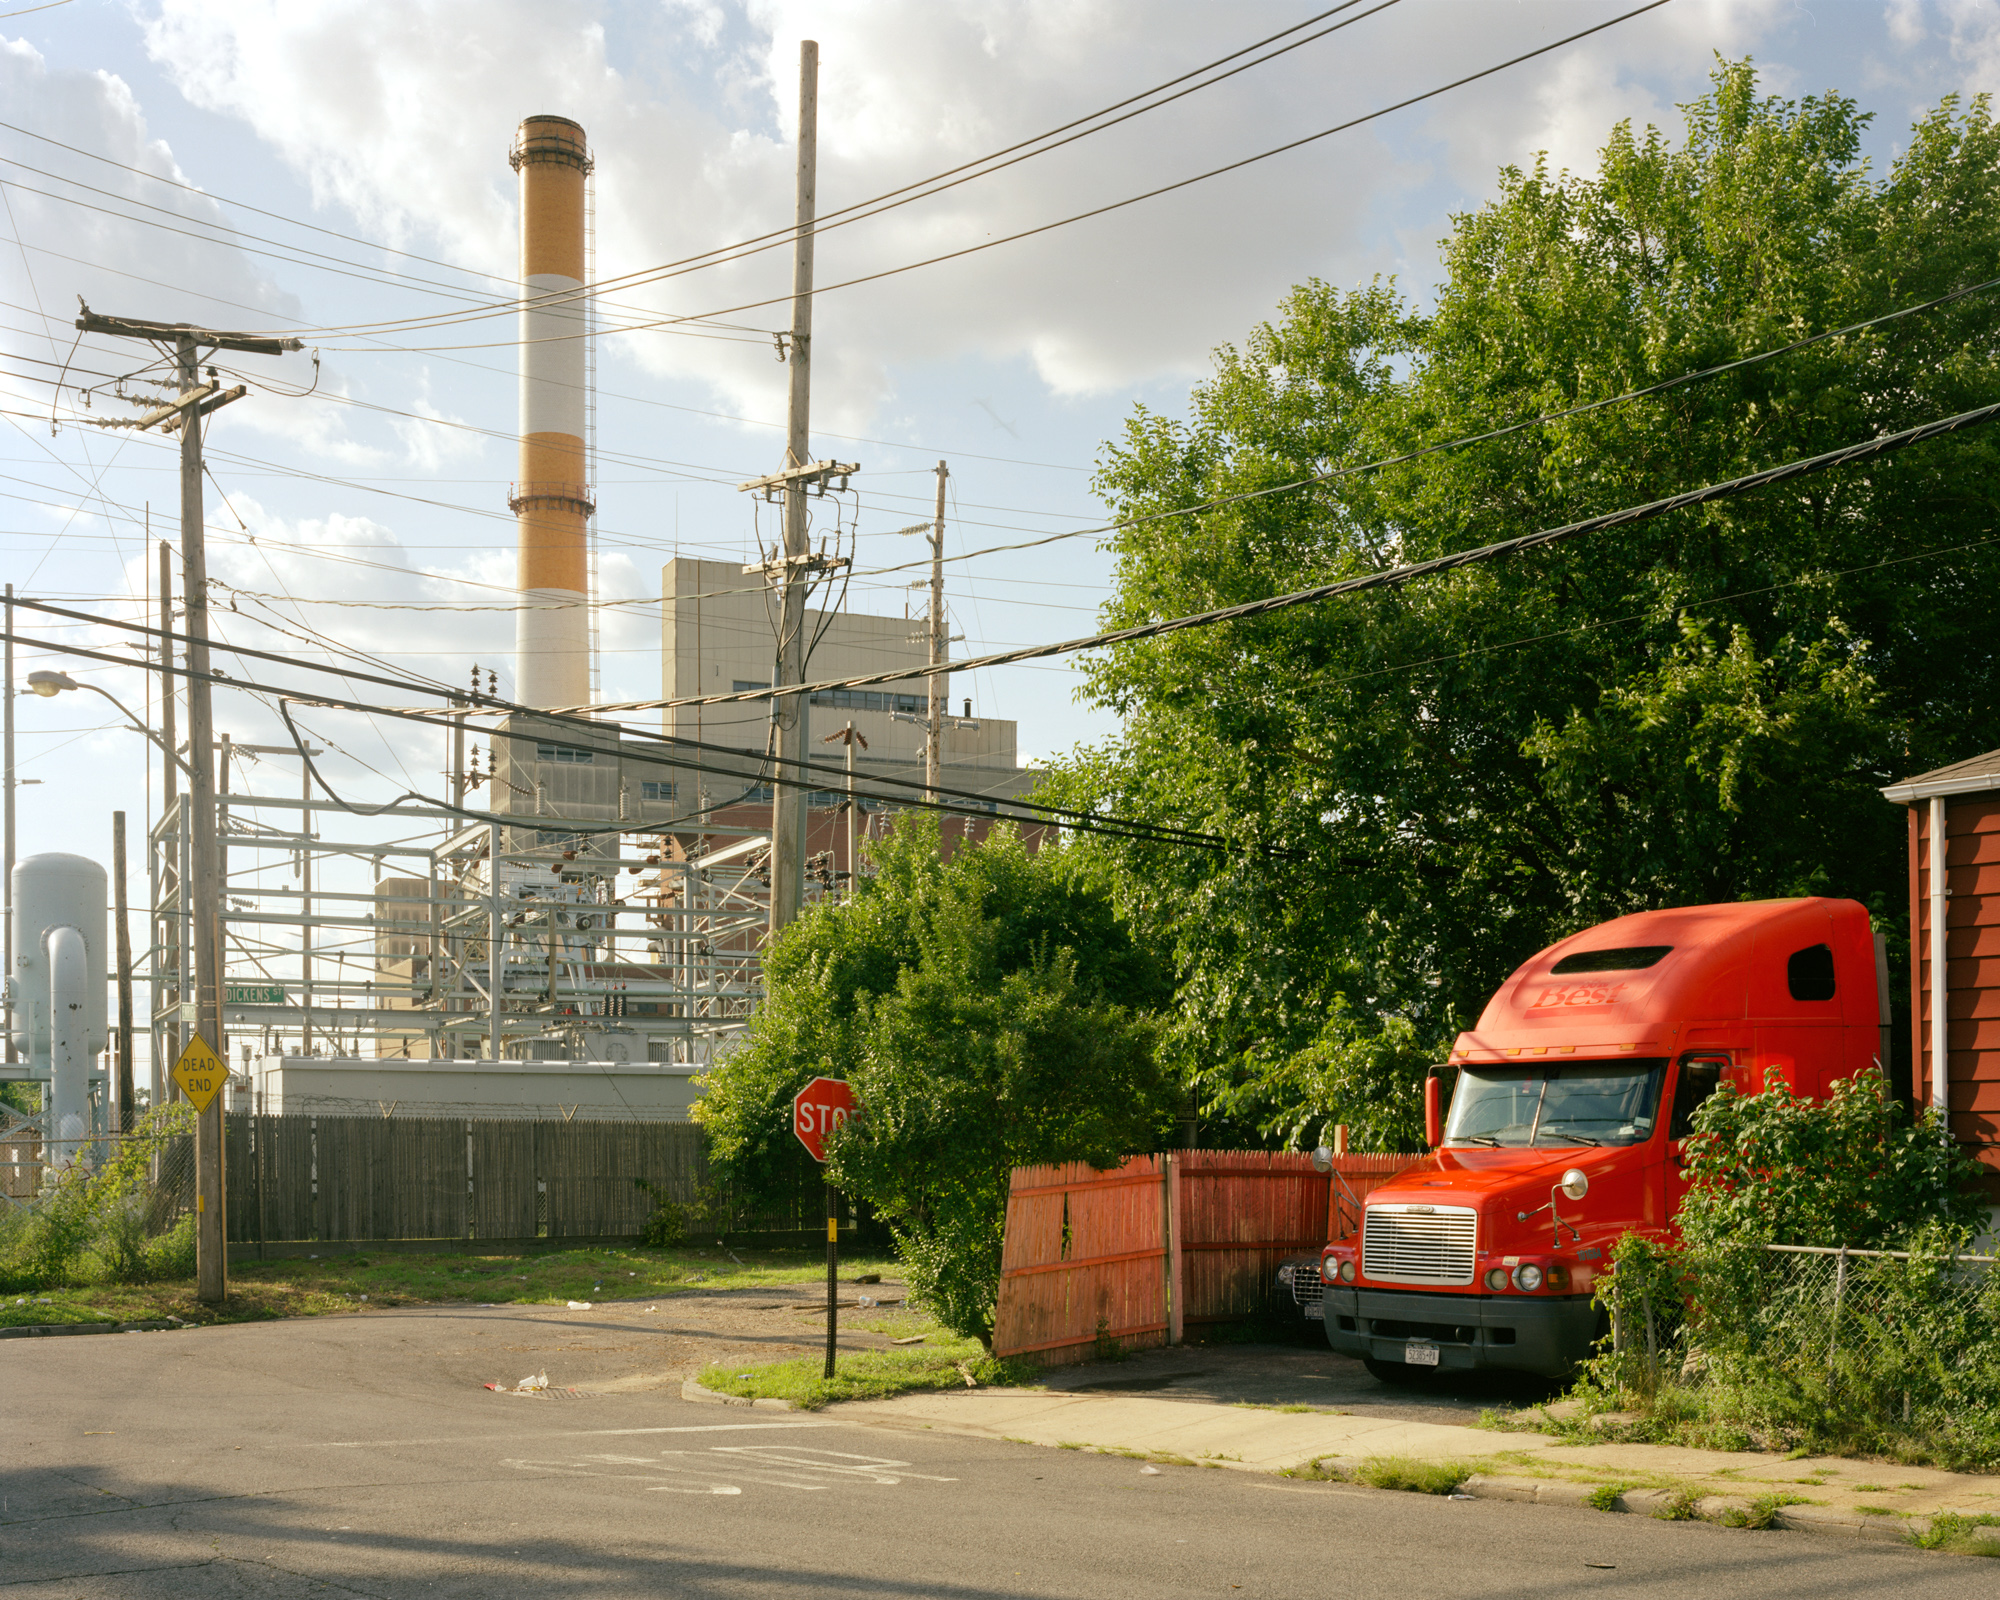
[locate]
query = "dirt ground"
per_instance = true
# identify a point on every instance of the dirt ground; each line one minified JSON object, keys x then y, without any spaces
{"x":628,"y":1346}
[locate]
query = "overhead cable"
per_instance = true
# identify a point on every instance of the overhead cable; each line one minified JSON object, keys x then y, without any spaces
{"x":1392,"y":577}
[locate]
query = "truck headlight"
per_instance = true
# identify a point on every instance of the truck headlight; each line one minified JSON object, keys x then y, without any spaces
{"x":1329,"y":1269}
{"x":1527,"y":1277}
{"x":1347,"y":1271}
{"x":1496,"y":1278}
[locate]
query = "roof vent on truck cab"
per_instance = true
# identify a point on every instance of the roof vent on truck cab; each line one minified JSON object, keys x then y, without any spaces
{"x":1633,"y":958}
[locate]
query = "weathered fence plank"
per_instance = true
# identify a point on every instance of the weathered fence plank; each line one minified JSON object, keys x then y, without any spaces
{"x":1082,"y":1261}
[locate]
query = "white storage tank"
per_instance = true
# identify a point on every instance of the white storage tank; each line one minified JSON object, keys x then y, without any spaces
{"x":60,"y":945}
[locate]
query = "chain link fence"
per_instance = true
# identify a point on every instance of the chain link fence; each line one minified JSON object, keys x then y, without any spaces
{"x":1890,"y":1352}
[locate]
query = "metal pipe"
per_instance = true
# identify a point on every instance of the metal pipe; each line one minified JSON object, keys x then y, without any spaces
{"x":68,"y":1126}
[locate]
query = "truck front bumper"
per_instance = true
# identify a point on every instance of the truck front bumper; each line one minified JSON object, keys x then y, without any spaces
{"x":1545,"y":1334}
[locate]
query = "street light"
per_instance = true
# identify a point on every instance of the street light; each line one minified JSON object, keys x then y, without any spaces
{"x":48,"y":684}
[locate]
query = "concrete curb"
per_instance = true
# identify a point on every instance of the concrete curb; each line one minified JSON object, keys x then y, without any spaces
{"x":58,"y":1330}
{"x":690,"y":1390}
{"x":1890,"y":1529}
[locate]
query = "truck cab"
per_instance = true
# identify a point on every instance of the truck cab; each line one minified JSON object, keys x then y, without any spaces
{"x":1572,"y":1096}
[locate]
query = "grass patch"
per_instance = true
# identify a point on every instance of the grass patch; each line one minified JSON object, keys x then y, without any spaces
{"x":307,"y":1287}
{"x":1260,"y":1405}
{"x":1412,"y":1474}
{"x":1962,"y":1536}
{"x":1682,"y":1505}
{"x":1762,"y":1512}
{"x":1876,"y":1511}
{"x":942,"y":1361}
{"x":1323,"y":1470}
{"x":1605,"y":1496}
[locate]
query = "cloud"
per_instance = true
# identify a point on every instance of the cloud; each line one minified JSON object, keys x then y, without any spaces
{"x":73,"y":246}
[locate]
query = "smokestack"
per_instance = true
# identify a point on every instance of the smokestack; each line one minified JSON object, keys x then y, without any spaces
{"x":550,"y":498}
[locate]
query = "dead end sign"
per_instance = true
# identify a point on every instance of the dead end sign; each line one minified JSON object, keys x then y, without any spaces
{"x":819,"y":1108}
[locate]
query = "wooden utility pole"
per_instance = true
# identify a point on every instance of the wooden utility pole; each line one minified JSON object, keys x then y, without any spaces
{"x":940,"y":648}
{"x":122,"y":939}
{"x":167,"y":931}
{"x":204,"y":891}
{"x":788,"y":801}
{"x":850,"y":738}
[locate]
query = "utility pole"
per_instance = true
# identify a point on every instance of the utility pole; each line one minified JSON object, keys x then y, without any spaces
{"x":850,"y":738}
{"x":795,"y":566}
{"x":7,"y":914}
{"x":122,"y":937}
{"x":205,"y":891}
{"x":167,"y":934}
{"x":940,"y":647}
{"x":788,"y":805}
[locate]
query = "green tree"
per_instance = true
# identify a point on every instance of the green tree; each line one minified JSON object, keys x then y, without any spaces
{"x":1426,"y":785}
{"x":991,"y":1011}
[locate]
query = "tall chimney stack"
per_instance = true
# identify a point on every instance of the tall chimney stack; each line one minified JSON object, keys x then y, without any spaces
{"x":551,"y":498}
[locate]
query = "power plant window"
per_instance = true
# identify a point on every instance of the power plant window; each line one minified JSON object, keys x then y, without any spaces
{"x":1635,"y":958}
{"x":656,"y":791}
{"x":1809,"y":973}
{"x":564,"y":755}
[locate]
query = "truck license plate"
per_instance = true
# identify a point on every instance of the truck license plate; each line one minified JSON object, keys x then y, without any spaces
{"x":1420,"y":1355}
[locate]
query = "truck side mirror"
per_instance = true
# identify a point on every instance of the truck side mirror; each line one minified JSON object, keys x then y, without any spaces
{"x":1433,"y":1111}
{"x":1574,"y":1184}
{"x":1322,"y":1159}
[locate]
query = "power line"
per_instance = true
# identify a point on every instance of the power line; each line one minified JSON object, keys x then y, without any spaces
{"x":460,"y":701}
{"x":1081,"y":216}
{"x":908,"y":193}
{"x":1392,"y":577}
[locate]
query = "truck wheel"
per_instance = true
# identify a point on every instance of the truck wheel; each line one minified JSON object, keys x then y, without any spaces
{"x":1399,"y":1373}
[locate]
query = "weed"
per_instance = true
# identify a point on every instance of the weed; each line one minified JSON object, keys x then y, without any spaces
{"x":1960,"y":1535}
{"x":1412,"y":1474}
{"x":1875,"y":1511}
{"x":1323,"y":1470}
{"x":1871,"y":1488}
{"x":1605,"y":1496}
{"x":1071,"y":1444}
{"x":1683,"y":1505}
{"x":1761,"y":1513}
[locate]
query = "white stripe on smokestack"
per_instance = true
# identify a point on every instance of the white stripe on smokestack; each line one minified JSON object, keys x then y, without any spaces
{"x":551,"y":498}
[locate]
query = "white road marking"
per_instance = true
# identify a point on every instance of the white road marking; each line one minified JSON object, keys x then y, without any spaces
{"x":777,"y":1467}
{"x":569,"y":1433}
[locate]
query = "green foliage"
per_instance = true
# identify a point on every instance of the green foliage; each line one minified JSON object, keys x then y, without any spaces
{"x":1699,"y":708}
{"x":1412,"y":1473}
{"x":990,"y":1011}
{"x":668,"y":1225}
{"x":1718,"y":1338}
{"x":941,"y":1363}
{"x":1960,"y":1535}
{"x":105,"y":1224}
{"x":1851,"y":1169}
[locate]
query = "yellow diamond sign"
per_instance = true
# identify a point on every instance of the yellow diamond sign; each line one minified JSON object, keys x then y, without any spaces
{"x":200,"y":1073}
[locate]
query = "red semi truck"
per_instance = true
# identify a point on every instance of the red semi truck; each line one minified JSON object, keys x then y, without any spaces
{"x":1573,"y":1095}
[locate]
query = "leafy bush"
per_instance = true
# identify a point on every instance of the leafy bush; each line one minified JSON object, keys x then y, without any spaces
{"x":991,"y":1011}
{"x":1852,"y":1169}
{"x":106,"y":1223}
{"x":1721,"y":1341}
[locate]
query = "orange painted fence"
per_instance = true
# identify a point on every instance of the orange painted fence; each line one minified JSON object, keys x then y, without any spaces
{"x":1137,"y":1253}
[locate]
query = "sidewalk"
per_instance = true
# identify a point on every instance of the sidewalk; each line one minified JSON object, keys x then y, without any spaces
{"x":1850,"y":1498}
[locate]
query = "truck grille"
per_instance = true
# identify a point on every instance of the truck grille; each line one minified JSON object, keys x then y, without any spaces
{"x":1419,"y":1244}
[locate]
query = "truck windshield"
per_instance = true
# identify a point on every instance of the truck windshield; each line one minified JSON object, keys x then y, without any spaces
{"x":1576,"y":1103}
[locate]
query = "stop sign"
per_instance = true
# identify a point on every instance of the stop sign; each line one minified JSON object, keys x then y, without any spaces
{"x":819,"y":1108}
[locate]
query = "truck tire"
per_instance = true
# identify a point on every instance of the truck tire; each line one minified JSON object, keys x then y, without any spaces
{"x":1402,"y":1375}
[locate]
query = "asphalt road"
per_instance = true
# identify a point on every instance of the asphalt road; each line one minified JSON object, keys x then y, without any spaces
{"x":360,"y":1456}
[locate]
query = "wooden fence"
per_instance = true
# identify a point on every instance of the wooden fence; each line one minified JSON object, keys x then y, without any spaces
{"x":1136,"y":1254}
{"x":298,"y":1178}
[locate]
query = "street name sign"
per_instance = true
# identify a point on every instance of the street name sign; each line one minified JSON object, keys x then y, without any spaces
{"x":817,"y":1109}
{"x":254,"y":994}
{"x":200,"y":1073}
